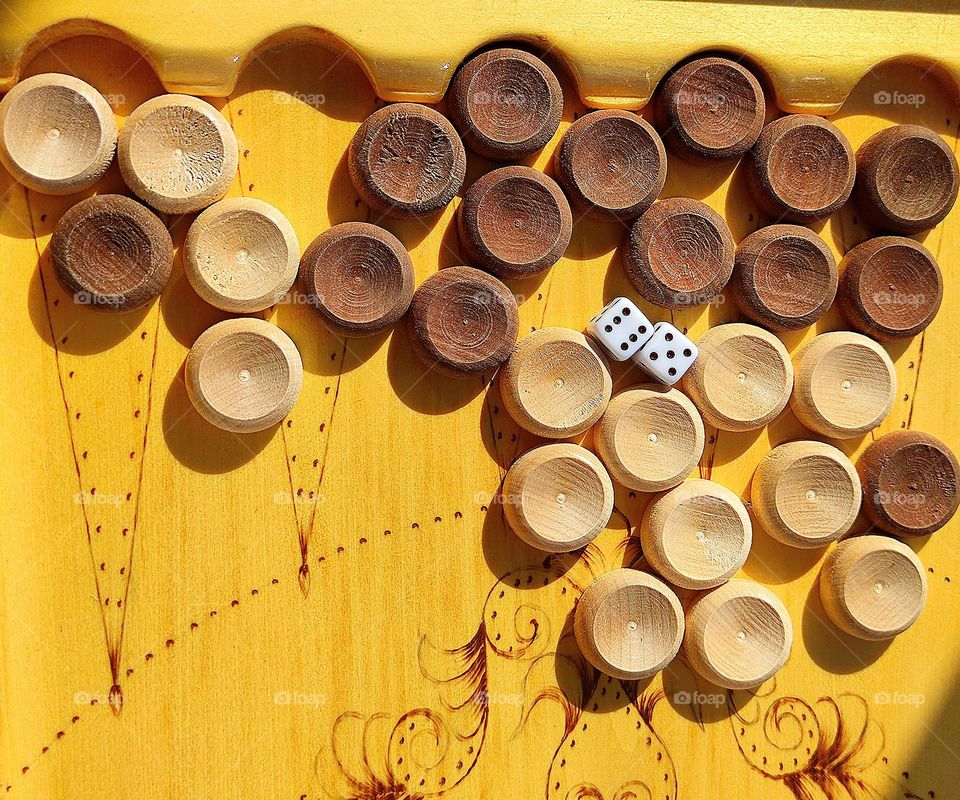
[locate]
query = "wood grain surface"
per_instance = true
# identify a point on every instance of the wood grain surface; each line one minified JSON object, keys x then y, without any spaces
{"x":679,"y":253}
{"x":558,"y":497}
{"x":806,"y":494}
{"x":785,"y":277}
{"x":910,"y":483}
{"x":278,"y":608}
{"x":801,"y":169}
{"x":506,"y":104}
{"x":57,"y":133}
{"x":629,"y":624}
{"x":463,"y":323}
{"x":406,"y":160}
{"x":650,"y":437}
{"x":710,"y":109}
{"x":742,"y":378}
{"x":243,"y":375}
{"x":697,"y":535}
{"x":846,"y":385}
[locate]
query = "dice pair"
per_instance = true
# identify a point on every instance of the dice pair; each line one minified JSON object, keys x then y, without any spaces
{"x":625,"y":333}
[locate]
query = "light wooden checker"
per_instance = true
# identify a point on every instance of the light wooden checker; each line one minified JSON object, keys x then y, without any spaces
{"x":873,"y":587}
{"x":806,"y":493}
{"x":241,"y":255}
{"x":742,"y":377}
{"x":177,"y":153}
{"x":739,"y":635}
{"x":629,"y":624}
{"x":57,"y":133}
{"x":557,"y":383}
{"x":696,"y":535}
{"x":650,"y":437}
{"x":557,"y":497}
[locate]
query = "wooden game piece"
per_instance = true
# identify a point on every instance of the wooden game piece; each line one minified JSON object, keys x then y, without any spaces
{"x":650,"y":437}
{"x":907,"y":179}
{"x":738,"y":636}
{"x":806,"y":494}
{"x":557,"y":497}
{"x":742,"y":378}
{"x":845,"y":385}
{"x":241,"y":255}
{"x":629,"y":624}
{"x":243,"y":375}
{"x":463,"y":322}
{"x":112,"y":253}
{"x":506,"y":103}
{"x":556,"y":384}
{"x":612,"y":164}
{"x":873,"y":587}
{"x":801,"y":168}
{"x":697,"y":535}
{"x":177,"y":153}
{"x":679,"y":253}
{"x":710,"y":109}
{"x":890,"y":287}
{"x":358,"y":277}
{"x":909,"y":483}
{"x":785,"y":277}
{"x":57,"y":133}
{"x":406,"y":160}
{"x":514,"y":222}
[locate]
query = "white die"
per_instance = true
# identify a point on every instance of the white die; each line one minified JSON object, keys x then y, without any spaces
{"x":667,"y":354}
{"x":621,"y":328}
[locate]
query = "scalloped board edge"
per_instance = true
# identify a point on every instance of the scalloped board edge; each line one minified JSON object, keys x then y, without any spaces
{"x":812,"y":54}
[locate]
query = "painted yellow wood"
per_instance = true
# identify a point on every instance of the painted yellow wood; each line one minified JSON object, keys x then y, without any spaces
{"x":813,"y":53}
{"x":336,"y":607}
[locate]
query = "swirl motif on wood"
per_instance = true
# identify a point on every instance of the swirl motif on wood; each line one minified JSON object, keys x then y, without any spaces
{"x":429,"y":751}
{"x":813,"y":748}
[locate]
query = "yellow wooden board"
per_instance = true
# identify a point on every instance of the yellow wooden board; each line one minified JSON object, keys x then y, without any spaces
{"x":335,"y":608}
{"x":813,"y":53}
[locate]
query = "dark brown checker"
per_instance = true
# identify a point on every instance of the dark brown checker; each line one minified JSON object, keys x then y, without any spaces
{"x":506,"y":103}
{"x":112,"y":253}
{"x":406,"y":160}
{"x":463,"y":322}
{"x":890,"y":287}
{"x":785,"y":277}
{"x":710,"y":109}
{"x":679,"y":253}
{"x":514,"y":222}
{"x":612,"y":164}
{"x":907,"y":179}
{"x":801,"y":169}
{"x":909,"y":483}
{"x":358,"y":277}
